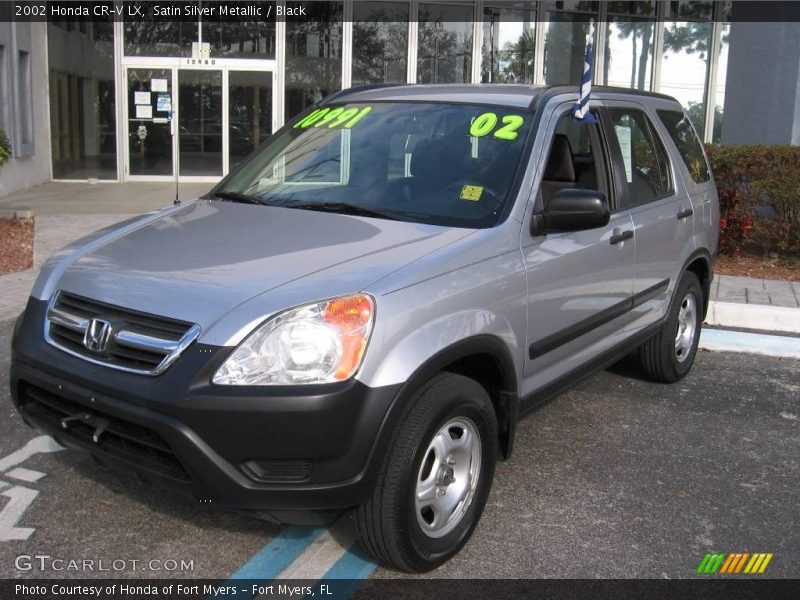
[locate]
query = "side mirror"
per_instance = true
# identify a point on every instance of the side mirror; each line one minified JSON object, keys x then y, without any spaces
{"x":572,"y":210}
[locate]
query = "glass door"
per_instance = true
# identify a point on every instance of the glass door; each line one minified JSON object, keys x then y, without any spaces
{"x":200,"y":123}
{"x":149,"y":113}
{"x":196,"y":122}
{"x":249,"y":113}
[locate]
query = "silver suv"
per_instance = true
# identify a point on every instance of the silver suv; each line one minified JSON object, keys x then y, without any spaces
{"x":357,"y":316}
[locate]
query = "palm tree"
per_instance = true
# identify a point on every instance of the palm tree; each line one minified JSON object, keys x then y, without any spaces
{"x":520,"y":56}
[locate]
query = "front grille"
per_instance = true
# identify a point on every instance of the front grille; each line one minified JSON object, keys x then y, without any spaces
{"x":140,"y":447}
{"x":134,"y":342}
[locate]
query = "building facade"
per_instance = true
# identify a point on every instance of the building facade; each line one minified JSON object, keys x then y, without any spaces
{"x":148,"y":99}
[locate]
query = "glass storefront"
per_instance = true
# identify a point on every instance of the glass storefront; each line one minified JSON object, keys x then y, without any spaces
{"x":719,"y":88}
{"x":569,"y":23}
{"x":630,"y":44}
{"x":380,"y":42}
{"x":83,"y":121}
{"x":444,"y":53}
{"x":685,"y":61}
{"x":148,"y":100}
{"x":249,"y":112}
{"x":313,"y":56}
{"x":148,"y":38}
{"x":509,"y":45}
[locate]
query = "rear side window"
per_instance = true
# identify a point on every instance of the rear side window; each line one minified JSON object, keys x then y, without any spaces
{"x":647,"y":169}
{"x":689,"y":147}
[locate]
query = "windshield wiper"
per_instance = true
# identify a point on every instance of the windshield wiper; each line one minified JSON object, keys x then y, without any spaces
{"x":342,"y":208}
{"x":236,"y":197}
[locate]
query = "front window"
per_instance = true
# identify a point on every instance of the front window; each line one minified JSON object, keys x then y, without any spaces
{"x":444,"y":164}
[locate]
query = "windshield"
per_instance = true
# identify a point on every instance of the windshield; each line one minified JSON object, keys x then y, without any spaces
{"x":444,"y":164}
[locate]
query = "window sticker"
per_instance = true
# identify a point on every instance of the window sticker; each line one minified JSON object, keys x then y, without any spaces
{"x":487,"y":123}
{"x":624,"y":138}
{"x":333,"y":118}
{"x":472,"y":193}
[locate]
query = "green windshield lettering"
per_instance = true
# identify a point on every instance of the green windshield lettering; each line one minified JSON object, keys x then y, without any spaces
{"x":509,"y":130}
{"x":329,"y":117}
{"x":361,"y":114}
{"x":333,"y":117}
{"x":312,"y":118}
{"x":485,"y":123}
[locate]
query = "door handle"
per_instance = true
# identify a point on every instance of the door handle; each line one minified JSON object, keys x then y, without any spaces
{"x":621,"y":237}
{"x":685,"y":214}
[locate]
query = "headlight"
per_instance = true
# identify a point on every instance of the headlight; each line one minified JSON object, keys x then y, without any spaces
{"x":315,"y":343}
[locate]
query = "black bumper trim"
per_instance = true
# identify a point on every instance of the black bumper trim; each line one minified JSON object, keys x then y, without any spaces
{"x":213,"y":431}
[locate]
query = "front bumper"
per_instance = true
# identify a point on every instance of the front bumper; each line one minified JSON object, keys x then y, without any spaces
{"x":279,"y":450}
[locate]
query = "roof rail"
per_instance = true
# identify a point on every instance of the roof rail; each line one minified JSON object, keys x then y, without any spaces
{"x":555,"y":90}
{"x":360,"y":88}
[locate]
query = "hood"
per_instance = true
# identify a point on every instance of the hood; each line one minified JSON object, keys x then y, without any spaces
{"x":202,"y":260}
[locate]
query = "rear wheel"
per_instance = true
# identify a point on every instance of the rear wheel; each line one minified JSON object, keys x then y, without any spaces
{"x":436,"y":478}
{"x":668,"y":356}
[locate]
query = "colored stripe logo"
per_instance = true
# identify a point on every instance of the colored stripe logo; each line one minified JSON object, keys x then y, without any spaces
{"x":734,"y":562}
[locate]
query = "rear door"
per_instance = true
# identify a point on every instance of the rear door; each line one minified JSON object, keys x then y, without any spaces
{"x":579,"y":283}
{"x":662,"y":212}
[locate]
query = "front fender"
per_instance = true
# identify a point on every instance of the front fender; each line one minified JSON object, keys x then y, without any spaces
{"x":417,"y":322}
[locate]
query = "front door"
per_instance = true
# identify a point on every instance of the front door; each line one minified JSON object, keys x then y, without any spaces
{"x":580,"y":283}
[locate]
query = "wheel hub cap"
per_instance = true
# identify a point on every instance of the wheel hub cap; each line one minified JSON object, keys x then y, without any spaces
{"x":448,"y":477}
{"x":687,"y":325}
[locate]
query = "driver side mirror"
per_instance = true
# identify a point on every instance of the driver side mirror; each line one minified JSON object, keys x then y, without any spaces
{"x":572,"y":210}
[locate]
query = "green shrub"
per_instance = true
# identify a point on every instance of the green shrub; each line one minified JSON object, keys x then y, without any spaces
{"x":759,"y":191}
{"x":5,"y":148}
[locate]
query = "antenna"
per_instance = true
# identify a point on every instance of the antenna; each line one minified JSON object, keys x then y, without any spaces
{"x":176,"y":162}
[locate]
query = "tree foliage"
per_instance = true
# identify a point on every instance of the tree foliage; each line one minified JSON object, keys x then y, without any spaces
{"x":5,"y":148}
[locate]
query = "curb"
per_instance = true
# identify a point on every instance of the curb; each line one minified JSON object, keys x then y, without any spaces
{"x":780,"y":319}
{"x":16,"y":214}
{"x":723,"y":340}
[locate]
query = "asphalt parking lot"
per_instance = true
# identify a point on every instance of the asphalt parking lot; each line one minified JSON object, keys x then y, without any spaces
{"x":616,"y":478}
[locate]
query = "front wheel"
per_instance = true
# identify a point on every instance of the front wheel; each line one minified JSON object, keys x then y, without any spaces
{"x":668,"y":356}
{"x":436,"y":478}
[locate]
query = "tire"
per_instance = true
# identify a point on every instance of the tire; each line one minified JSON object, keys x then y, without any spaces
{"x":418,"y":537}
{"x":662,"y":358}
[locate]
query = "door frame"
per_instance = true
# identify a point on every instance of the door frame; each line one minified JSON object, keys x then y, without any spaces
{"x":175,"y":65}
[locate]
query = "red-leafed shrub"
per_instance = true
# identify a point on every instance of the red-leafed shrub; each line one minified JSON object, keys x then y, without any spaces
{"x":759,"y":195}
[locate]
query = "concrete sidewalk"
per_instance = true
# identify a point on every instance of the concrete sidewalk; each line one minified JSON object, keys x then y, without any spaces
{"x":67,"y":211}
{"x":74,"y":198}
{"x":749,"y":303}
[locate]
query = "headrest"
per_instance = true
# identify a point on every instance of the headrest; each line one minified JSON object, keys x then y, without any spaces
{"x":560,"y":165}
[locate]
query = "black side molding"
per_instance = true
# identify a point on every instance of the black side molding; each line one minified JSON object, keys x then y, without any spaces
{"x":553,"y":341}
{"x":651,"y":292}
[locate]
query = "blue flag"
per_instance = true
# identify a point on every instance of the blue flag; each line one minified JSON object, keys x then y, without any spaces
{"x":581,"y":112}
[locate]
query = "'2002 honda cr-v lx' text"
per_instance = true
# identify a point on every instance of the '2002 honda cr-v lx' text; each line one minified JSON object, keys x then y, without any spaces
{"x":356,"y":317}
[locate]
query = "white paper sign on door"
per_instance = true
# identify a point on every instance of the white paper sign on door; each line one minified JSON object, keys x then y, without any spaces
{"x":144,"y":112}
{"x":141,"y":97}
{"x":158,"y":85}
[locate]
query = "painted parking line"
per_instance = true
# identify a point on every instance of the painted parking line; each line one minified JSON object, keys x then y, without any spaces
{"x":23,"y":474}
{"x":20,"y":497}
{"x":310,"y":554}
{"x":318,"y":557}
{"x":722,"y":340}
{"x":279,"y":554}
